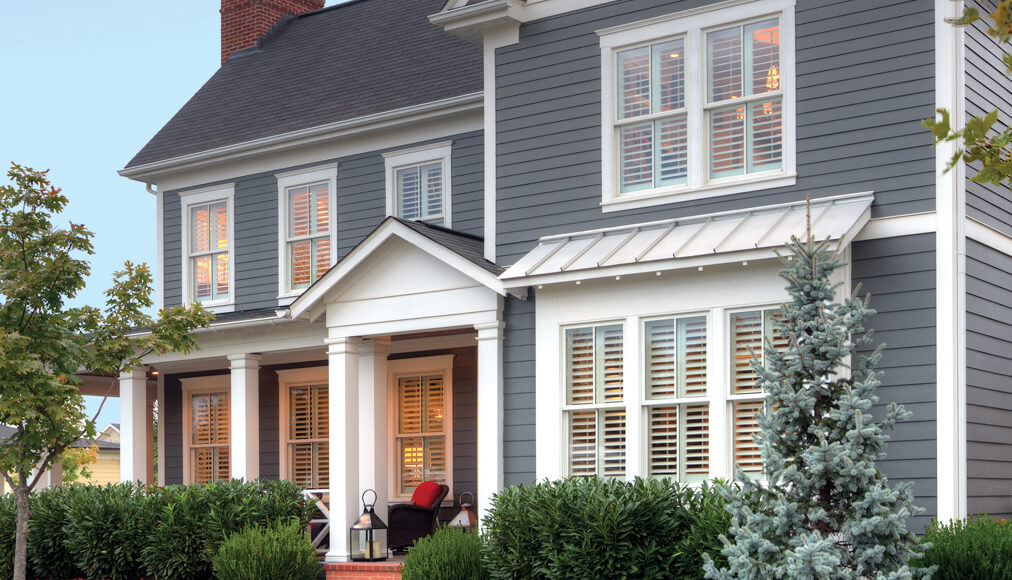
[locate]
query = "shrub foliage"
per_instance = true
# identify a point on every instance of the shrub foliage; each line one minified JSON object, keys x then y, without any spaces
{"x":130,"y":531}
{"x":449,"y":554}
{"x":977,"y":548}
{"x":603,"y":528}
{"x":281,"y":551}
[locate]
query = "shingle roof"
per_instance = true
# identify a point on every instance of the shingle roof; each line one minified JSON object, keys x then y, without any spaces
{"x":353,"y":59}
{"x":468,"y":246}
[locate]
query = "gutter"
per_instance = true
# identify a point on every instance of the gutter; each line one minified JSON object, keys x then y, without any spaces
{"x":347,"y":127}
{"x":281,"y":316}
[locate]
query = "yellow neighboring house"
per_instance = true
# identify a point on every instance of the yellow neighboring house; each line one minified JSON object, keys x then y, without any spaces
{"x":104,"y":470}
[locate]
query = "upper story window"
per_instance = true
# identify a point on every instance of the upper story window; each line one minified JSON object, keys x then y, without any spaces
{"x":698,"y":104}
{"x":307,"y":236}
{"x":418,"y":183}
{"x":208,"y":246}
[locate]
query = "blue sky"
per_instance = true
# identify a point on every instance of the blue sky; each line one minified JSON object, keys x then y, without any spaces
{"x":85,"y":85}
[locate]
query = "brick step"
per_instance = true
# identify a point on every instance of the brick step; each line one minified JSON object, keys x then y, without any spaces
{"x":363,"y":571}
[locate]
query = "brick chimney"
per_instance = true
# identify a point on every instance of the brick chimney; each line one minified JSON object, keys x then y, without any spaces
{"x":243,"y":21}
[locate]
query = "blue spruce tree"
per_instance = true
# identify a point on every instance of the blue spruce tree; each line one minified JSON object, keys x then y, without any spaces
{"x":825,"y":511}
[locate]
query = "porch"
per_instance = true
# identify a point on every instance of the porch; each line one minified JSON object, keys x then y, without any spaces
{"x":384,"y":373}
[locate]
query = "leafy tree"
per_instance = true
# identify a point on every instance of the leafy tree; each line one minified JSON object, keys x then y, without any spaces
{"x":826,"y":511}
{"x":43,"y":342}
{"x":76,"y":461}
{"x":982,"y":139}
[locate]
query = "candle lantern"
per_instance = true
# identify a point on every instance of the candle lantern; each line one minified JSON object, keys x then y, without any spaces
{"x":466,"y":518}
{"x":367,"y":541}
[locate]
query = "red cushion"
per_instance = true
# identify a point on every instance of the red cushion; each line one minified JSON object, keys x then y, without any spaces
{"x":425,"y":494}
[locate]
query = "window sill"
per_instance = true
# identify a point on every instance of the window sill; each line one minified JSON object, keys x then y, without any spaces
{"x":218,"y":307}
{"x":683,"y":193}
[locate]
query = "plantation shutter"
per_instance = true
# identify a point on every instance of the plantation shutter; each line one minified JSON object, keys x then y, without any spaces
{"x":421,"y":426}
{"x":595,"y":376}
{"x":692,"y":356}
{"x":746,"y":339}
{"x":309,"y":449}
{"x":660,"y":349}
{"x":696,"y":435}
{"x":746,"y":425}
{"x":663,"y":445}
{"x":209,"y":437}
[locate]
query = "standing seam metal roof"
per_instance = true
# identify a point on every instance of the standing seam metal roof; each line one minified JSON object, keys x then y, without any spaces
{"x":347,"y":61}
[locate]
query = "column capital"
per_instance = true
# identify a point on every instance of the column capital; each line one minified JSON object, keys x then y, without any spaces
{"x":135,"y":374}
{"x":249,"y":361}
{"x":489,"y":330}
{"x":375,"y":347}
{"x":343,"y":345}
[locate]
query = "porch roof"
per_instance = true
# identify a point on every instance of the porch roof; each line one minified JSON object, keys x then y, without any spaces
{"x":462,"y":252}
{"x":688,"y":242}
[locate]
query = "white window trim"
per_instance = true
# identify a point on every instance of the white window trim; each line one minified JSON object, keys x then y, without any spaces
{"x":193,"y":197}
{"x":692,"y":25}
{"x":211,"y":384}
{"x":286,"y":380}
{"x":286,"y":181}
{"x":393,"y":160}
{"x":413,"y":366}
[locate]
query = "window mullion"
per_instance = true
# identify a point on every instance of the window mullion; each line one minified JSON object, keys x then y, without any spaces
{"x":694,"y":98}
{"x":632,"y":394}
{"x":717,"y":356}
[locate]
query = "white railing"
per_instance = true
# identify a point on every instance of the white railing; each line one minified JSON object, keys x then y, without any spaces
{"x":322,"y":497}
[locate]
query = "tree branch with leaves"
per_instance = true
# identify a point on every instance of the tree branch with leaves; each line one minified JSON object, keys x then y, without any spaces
{"x":44,"y":343}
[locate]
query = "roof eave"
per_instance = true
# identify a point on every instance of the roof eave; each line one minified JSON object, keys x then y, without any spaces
{"x":469,"y":21}
{"x":149,"y":172}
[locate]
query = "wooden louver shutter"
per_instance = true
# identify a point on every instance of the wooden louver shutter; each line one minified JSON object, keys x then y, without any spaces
{"x":692,"y":356}
{"x":746,"y":339}
{"x":746,"y":425}
{"x":209,"y":436}
{"x":421,"y":423}
{"x":580,"y":366}
{"x":309,"y":449}
{"x":660,"y":354}
{"x":611,"y":376}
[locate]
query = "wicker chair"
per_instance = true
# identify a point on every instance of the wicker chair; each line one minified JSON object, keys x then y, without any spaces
{"x":409,"y":521}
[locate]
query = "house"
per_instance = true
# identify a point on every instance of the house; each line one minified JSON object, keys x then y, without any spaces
{"x":491,"y":242}
{"x":105,"y":468}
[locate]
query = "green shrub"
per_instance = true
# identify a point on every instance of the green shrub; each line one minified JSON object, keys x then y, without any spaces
{"x":107,"y":529}
{"x":276,"y":552}
{"x":449,"y":554}
{"x":977,"y":548}
{"x":193,"y":521}
{"x":8,"y":517}
{"x":602,"y":528}
{"x":47,"y":553}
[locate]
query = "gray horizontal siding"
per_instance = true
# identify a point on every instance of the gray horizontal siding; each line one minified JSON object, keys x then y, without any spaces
{"x":988,"y":380}
{"x":864,"y":83}
{"x":988,"y":88}
{"x":900,"y":275}
{"x":170,"y":418}
{"x":518,"y":391}
{"x":361,"y":206}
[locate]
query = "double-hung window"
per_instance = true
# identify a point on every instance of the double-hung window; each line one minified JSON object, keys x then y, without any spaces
{"x":698,"y":104}
{"x":595,"y":413}
{"x":421,"y":422}
{"x":308,"y":432}
{"x":208,"y":270}
{"x":418,"y":183}
{"x":749,"y":332}
{"x":677,"y":408}
{"x":307,"y":234}
{"x":206,"y":440}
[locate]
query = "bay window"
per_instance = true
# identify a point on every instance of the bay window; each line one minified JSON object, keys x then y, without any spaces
{"x":697,"y":104}
{"x":674,"y":403}
{"x":307,"y":233}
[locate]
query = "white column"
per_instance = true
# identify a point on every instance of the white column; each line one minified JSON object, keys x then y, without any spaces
{"x":372,"y":428}
{"x":490,"y":414}
{"x":160,"y":397}
{"x":342,"y":355}
{"x":133,"y":406}
{"x":244,"y":411}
